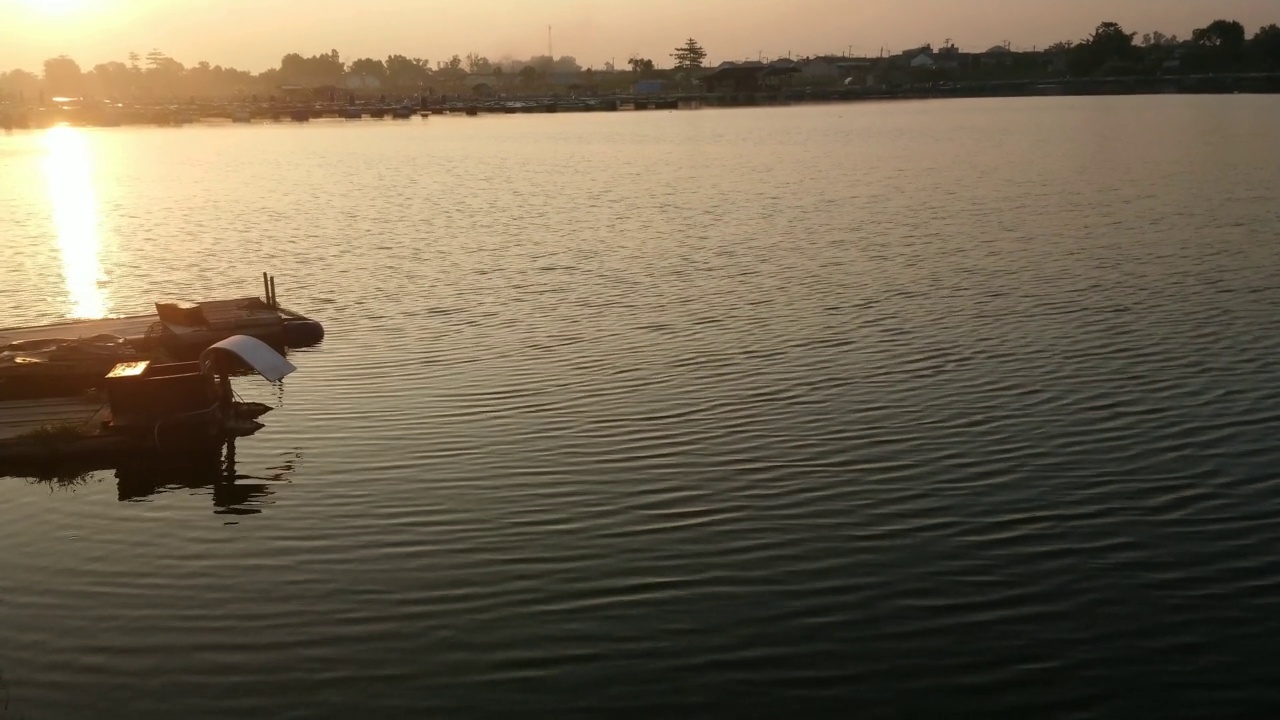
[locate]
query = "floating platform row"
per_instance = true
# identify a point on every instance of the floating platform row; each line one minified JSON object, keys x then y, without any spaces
{"x":114,"y":116}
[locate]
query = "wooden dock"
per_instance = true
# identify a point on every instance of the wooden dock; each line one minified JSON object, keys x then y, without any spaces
{"x":224,"y":318}
{"x":125,"y":327}
{"x":66,"y":358}
{"x":103,"y":388}
{"x":23,"y":418}
{"x":47,"y":430}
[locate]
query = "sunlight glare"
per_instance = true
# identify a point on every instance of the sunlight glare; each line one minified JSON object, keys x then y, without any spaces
{"x":68,"y":175}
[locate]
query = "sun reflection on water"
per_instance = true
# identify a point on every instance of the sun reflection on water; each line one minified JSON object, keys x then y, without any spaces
{"x":68,"y":174}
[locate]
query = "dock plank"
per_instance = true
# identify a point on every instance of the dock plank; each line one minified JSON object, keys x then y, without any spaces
{"x":22,"y":416}
{"x":239,"y":312}
{"x":126,"y":327}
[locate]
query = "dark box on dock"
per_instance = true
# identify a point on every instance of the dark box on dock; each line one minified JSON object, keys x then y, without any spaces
{"x":178,"y":312}
{"x":145,"y":392}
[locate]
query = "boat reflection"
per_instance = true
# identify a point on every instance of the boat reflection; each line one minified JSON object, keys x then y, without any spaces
{"x":68,"y":172}
{"x":213,"y":473}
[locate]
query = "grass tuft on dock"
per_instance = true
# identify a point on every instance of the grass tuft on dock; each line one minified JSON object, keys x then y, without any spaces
{"x":56,"y":434}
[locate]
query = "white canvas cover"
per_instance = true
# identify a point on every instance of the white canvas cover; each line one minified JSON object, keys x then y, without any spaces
{"x":255,"y":353}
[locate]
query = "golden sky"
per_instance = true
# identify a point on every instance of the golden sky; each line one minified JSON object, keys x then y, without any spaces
{"x":253,"y":34}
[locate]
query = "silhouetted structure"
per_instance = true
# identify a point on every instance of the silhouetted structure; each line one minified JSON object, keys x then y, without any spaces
{"x":747,"y":77}
{"x":215,"y":470}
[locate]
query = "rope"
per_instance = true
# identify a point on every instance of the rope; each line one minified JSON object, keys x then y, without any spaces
{"x":156,"y":433}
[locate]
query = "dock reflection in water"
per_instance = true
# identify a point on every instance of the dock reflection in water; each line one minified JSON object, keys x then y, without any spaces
{"x":233,"y":492}
{"x":215,"y":472}
{"x":68,"y":173}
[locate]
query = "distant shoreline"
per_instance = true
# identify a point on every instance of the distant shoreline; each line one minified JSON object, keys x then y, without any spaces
{"x":99,"y":114}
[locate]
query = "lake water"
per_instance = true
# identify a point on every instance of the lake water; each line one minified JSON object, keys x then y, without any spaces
{"x":952,"y":407}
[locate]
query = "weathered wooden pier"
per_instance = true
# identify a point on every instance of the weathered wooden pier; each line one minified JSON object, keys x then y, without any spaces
{"x":183,"y":327}
{"x":147,"y":383}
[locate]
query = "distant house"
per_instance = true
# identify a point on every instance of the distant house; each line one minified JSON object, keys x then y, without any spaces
{"x":1054,"y":62}
{"x":832,"y":68}
{"x":998,"y":55}
{"x":819,"y":68}
{"x":734,"y":77}
{"x":750,"y":76}
{"x":649,"y":87}
{"x":921,"y":61}
{"x":905,"y":58}
{"x":949,"y":56}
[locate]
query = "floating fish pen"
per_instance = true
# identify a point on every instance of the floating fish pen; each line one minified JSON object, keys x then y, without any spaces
{"x":65,"y":352}
{"x":144,"y":383}
{"x":142,"y":406}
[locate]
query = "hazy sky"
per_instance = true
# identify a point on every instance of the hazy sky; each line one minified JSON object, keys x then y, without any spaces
{"x":253,"y":34}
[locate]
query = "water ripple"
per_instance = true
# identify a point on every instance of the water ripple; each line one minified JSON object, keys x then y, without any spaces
{"x":901,"y":411}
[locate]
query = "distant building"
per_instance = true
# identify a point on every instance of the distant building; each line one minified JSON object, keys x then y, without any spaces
{"x":649,"y":87}
{"x":998,"y":55}
{"x":734,"y":77}
{"x":747,"y":77}
{"x":949,"y":57}
{"x":905,"y":58}
{"x":830,"y":68}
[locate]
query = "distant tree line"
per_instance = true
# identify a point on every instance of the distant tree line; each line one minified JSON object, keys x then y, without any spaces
{"x":158,"y":76}
{"x":1222,"y":46}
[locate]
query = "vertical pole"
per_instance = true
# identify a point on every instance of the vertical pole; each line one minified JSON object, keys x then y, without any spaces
{"x":225,"y":398}
{"x":266,"y":289}
{"x":275,"y":303}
